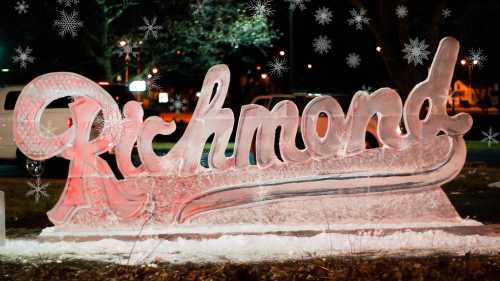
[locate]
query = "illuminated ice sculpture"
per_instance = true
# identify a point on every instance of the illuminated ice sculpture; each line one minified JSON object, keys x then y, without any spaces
{"x":334,"y":179}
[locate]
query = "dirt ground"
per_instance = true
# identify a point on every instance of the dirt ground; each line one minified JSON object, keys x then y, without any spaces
{"x":340,"y":268}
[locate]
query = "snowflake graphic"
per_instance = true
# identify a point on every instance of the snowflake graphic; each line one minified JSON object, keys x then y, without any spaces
{"x":128,"y":50}
{"x":490,"y":137}
{"x":297,"y":3}
{"x":322,"y":44}
{"x":416,"y":51}
{"x":150,"y":28}
{"x":401,"y":11}
{"x":23,"y":56}
{"x":353,"y":60}
{"x":261,"y":8}
{"x":278,"y":66}
{"x":178,"y":105}
{"x":358,"y":18}
{"x":38,"y":189}
{"x":152,"y":83}
{"x":68,"y":23}
{"x":446,"y":13}
{"x":234,"y":41}
{"x":323,"y":16}
{"x":68,"y":3}
{"x":49,"y":129}
{"x":21,"y":7}
{"x":477,"y":57}
{"x":198,"y":7}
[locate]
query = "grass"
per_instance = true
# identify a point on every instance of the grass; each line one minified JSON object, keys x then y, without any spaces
{"x":481,"y":146}
{"x":22,"y":211}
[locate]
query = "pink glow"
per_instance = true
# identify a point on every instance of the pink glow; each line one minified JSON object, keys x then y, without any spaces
{"x":396,"y":182}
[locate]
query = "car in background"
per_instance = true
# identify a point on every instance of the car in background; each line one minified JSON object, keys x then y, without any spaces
{"x":301,"y":99}
{"x":55,"y":119}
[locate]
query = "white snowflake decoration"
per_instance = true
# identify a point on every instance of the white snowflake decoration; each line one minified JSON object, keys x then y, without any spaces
{"x":261,"y":8}
{"x":446,"y":13}
{"x":477,"y":57}
{"x":128,"y":50}
{"x":322,"y":44}
{"x":21,"y":7}
{"x":358,"y":18}
{"x":416,"y":51}
{"x":198,"y":7}
{"x":490,"y":137}
{"x":150,"y":27}
{"x":323,"y":16}
{"x":38,"y":189}
{"x":278,"y":67}
{"x":68,"y":3}
{"x":353,"y":60}
{"x":401,"y":11}
{"x":49,"y":129}
{"x":23,"y":56}
{"x":152,"y":83}
{"x":68,"y":23}
{"x":179,"y":104}
{"x":297,"y":3}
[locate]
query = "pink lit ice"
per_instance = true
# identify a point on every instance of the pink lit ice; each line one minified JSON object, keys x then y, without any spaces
{"x":333,"y":178}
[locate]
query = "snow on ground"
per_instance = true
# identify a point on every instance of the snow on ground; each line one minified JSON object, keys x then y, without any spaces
{"x":244,"y":248}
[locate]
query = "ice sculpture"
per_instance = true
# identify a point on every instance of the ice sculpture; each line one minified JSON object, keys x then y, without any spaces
{"x":333,"y":179}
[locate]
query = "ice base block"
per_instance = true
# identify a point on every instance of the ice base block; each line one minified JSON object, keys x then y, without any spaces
{"x":417,"y":210}
{"x":426,"y":205}
{"x":203,"y":232}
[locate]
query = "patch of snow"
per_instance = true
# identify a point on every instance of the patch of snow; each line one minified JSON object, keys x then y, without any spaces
{"x":243,"y":248}
{"x":494,"y":184}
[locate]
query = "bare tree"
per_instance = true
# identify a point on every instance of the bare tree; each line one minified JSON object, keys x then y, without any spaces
{"x":104,"y":43}
{"x":391,"y":32}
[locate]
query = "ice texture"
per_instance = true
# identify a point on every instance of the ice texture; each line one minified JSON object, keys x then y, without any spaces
{"x":334,"y":178}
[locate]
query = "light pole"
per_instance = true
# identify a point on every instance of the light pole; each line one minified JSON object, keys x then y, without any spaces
{"x":125,"y":46}
{"x":292,"y":51}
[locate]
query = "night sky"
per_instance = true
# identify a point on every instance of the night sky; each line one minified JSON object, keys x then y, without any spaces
{"x":473,"y":23}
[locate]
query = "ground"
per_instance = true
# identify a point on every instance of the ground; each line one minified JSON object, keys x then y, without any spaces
{"x":469,"y":192}
{"x":340,"y":268}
